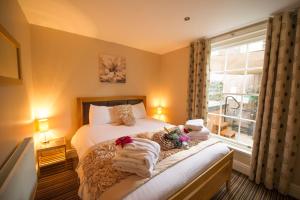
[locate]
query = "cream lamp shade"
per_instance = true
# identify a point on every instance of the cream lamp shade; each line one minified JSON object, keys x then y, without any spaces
{"x":43,"y":128}
{"x":43,"y":125}
{"x":159,"y":110}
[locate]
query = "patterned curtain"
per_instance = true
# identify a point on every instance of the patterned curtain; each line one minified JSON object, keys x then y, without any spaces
{"x":198,"y":79}
{"x":278,"y":122}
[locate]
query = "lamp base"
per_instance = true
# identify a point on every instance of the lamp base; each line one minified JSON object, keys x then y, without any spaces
{"x":44,"y":138}
{"x":45,"y":142}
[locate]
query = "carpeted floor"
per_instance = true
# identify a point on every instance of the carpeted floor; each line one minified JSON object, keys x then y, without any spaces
{"x":244,"y":189}
{"x":60,"y":182}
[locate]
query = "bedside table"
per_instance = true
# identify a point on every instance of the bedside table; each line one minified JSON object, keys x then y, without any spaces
{"x":52,"y":152}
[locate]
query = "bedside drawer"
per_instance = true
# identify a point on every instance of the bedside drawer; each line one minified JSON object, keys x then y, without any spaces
{"x":52,"y":156}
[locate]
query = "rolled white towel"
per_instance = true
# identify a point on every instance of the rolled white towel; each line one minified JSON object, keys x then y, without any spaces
{"x":194,"y":124}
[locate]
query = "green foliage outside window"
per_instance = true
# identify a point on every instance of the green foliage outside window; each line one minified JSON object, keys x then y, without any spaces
{"x":215,"y":91}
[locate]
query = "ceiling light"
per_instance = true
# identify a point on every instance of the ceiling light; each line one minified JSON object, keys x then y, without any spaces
{"x":187,"y":19}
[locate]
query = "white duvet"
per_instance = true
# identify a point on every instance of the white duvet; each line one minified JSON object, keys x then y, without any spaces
{"x":159,"y":187}
{"x":87,"y":136}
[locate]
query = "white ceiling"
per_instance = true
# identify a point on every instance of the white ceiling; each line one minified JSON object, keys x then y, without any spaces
{"x":152,"y":25}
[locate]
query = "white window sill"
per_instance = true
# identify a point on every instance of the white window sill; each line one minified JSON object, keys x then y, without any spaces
{"x":236,"y":146}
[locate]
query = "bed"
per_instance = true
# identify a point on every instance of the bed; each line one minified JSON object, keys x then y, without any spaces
{"x":198,"y":177}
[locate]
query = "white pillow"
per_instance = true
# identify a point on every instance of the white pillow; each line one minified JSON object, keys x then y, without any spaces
{"x":99,"y":115}
{"x":139,"y":111}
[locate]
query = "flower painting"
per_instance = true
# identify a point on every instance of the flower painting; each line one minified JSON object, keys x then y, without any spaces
{"x":112,"y":69}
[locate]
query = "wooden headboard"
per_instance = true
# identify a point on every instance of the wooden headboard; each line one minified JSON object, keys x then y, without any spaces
{"x":85,"y":102}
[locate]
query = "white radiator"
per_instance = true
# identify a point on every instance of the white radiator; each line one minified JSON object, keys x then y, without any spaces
{"x":18,"y":177}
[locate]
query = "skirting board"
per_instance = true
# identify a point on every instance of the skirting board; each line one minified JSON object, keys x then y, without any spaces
{"x":241,"y":167}
{"x":294,"y":190}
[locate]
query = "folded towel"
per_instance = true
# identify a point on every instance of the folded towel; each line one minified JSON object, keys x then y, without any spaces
{"x":194,"y":124}
{"x":139,"y":157}
{"x":200,"y":135}
{"x":141,"y":144}
{"x":140,"y":170}
{"x":145,"y":158}
{"x":119,"y":158}
{"x":204,"y":131}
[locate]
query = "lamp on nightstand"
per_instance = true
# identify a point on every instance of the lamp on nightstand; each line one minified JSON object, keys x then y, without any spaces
{"x":160,"y":113}
{"x":43,"y":128}
{"x":159,"y":110}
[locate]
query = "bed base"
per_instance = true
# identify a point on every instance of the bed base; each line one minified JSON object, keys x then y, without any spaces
{"x":209,"y":182}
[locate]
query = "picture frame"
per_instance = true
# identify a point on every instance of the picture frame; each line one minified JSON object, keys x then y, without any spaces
{"x":10,"y":59}
{"x":112,"y":69}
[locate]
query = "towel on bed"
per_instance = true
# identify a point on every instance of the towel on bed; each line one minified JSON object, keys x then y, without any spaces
{"x":139,"y":157}
{"x":148,"y":159}
{"x":202,"y":134}
{"x":131,"y":167}
{"x":141,"y":144}
{"x":194,"y":124}
{"x":199,"y":135}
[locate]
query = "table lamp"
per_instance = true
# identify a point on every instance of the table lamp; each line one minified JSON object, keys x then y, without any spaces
{"x":43,"y":127}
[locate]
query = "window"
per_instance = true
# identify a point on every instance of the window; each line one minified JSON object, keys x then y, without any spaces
{"x":234,"y":82}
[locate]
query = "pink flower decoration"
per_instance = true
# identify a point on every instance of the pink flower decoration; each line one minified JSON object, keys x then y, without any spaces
{"x":184,"y":138}
{"x":123,"y":141}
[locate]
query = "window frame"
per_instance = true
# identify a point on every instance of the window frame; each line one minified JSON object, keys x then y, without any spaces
{"x":240,"y":37}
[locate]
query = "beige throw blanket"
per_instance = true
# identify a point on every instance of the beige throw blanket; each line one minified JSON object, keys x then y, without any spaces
{"x":99,"y":174}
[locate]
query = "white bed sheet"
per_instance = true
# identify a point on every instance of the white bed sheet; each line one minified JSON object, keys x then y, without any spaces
{"x":159,"y":187}
{"x":87,"y":136}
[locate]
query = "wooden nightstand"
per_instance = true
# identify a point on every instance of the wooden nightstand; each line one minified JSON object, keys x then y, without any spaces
{"x":52,"y":152}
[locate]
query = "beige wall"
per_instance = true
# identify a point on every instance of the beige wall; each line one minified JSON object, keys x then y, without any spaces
{"x":65,"y":67}
{"x":174,"y":83}
{"x":15,"y":101}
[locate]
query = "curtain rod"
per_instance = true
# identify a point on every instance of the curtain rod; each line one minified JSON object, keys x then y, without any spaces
{"x":238,"y":29}
{"x":252,"y":25}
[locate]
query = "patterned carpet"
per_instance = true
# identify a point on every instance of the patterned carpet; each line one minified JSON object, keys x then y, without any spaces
{"x":244,"y":189}
{"x":60,"y":182}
